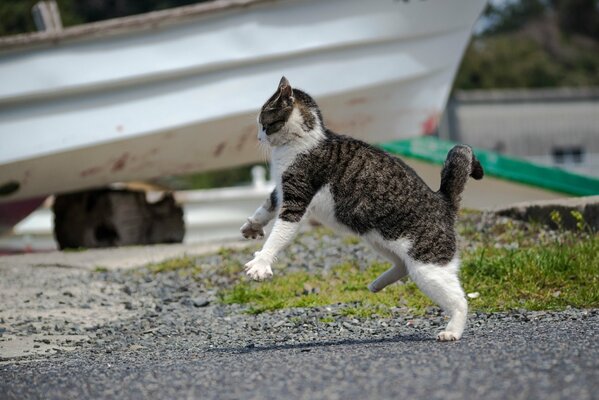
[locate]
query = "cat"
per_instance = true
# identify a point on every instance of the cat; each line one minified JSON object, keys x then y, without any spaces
{"x":354,"y":187}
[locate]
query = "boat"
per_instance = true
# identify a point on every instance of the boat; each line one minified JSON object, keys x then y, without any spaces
{"x":177,"y":91}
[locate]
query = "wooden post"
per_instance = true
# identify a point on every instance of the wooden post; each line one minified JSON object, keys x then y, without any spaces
{"x":47,"y":16}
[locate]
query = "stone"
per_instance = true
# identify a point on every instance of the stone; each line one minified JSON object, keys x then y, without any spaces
{"x":200,"y":302}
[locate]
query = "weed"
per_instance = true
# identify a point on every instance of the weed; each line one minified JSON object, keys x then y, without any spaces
{"x":556,"y":217}
{"x":581,"y":225}
{"x":186,"y":264}
{"x":351,"y":240}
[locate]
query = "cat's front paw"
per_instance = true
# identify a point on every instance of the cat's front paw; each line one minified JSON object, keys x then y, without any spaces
{"x":447,"y":336}
{"x":252,"y":230}
{"x":258,"y":269}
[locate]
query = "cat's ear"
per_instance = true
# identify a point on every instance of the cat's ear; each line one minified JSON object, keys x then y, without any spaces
{"x":285,"y":89}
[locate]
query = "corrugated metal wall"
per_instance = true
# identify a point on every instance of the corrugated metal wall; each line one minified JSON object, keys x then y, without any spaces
{"x":558,"y":127}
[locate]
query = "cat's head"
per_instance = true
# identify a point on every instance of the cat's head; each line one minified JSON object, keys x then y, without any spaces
{"x":289,"y":115}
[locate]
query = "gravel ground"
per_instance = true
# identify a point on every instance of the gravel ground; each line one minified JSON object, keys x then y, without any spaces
{"x":74,"y":333}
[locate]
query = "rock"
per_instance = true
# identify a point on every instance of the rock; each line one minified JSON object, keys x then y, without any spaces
{"x":200,"y":302}
{"x":348,"y":326}
{"x":279,"y":324}
{"x":541,"y":211}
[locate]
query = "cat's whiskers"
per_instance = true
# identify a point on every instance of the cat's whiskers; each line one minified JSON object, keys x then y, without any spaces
{"x":264,"y":150}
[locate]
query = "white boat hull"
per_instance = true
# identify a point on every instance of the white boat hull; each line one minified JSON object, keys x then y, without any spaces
{"x":183,"y":98}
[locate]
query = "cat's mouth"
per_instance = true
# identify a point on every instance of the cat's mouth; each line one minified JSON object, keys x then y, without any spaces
{"x":262,"y":138}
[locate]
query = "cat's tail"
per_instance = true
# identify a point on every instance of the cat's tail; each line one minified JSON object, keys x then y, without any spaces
{"x":459,"y":165}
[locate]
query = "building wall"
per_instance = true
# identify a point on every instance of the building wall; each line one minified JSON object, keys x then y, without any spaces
{"x":558,"y":127}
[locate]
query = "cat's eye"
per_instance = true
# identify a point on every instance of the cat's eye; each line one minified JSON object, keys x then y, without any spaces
{"x":272,"y":128}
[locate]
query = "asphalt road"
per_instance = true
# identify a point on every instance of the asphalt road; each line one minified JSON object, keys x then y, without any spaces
{"x":549,"y":358}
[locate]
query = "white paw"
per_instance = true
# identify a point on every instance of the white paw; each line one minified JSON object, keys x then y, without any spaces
{"x":447,"y":336}
{"x":252,"y":230}
{"x":258,"y":269}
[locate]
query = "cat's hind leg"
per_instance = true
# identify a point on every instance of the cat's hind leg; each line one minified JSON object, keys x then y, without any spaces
{"x":441,"y":284}
{"x":392,"y":275}
{"x":397,"y":271}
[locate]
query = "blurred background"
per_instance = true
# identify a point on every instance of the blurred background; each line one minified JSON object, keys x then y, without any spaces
{"x":525,"y":94}
{"x":550,"y":47}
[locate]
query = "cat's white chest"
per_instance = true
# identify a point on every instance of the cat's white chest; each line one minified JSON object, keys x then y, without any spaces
{"x":278,"y":164}
{"x":281,"y":159}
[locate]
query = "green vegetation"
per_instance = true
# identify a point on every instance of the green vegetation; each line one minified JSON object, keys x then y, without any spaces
{"x":346,"y":283}
{"x":327,"y":320}
{"x":349,"y":240}
{"x":534,"y":43}
{"x":509,"y":264}
{"x":552,"y":276}
{"x":517,"y":60}
{"x":184,"y":264}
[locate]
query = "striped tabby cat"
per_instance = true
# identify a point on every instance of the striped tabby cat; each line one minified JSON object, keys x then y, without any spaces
{"x":354,"y":187}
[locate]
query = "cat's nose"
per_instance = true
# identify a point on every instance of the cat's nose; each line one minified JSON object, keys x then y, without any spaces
{"x":261,"y":133}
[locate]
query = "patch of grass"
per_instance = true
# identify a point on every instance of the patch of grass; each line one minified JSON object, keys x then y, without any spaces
{"x":351,"y":240}
{"x":186,"y":264}
{"x":230,"y":268}
{"x":327,"y":320}
{"x":100,"y":268}
{"x":551,"y":276}
{"x":554,"y":275}
{"x":346,"y":283}
{"x":226,"y":252}
{"x":211,"y":271}
{"x":321,"y":231}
